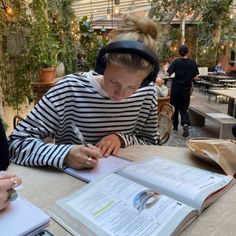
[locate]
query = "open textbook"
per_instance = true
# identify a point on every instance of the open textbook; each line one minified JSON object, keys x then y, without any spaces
{"x":155,"y":197}
{"x":105,"y":166}
{"x":22,"y":218}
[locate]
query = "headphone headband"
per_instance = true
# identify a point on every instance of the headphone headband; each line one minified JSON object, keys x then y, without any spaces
{"x":129,"y":47}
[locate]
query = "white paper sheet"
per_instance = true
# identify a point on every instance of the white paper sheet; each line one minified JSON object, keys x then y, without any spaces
{"x":21,"y":218}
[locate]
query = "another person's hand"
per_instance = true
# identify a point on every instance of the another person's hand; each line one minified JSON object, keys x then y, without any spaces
{"x":81,"y":157}
{"x":7,"y":184}
{"x":109,"y":144}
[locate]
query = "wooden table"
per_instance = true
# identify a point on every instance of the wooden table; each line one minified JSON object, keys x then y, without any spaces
{"x":231,"y":94}
{"x":218,"y":77}
{"x":43,"y":186}
{"x":228,"y":82}
{"x":214,"y":80}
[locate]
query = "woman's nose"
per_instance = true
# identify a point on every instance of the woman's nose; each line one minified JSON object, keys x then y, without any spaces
{"x":120,"y":93}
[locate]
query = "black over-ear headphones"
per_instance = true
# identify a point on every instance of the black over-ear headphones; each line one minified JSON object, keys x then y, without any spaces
{"x":131,"y":47}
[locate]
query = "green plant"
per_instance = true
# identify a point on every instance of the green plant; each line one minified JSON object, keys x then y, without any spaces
{"x":64,"y":27}
{"x":15,"y":77}
{"x":168,"y":43}
{"x":44,"y":42}
{"x":43,"y":48}
{"x":213,"y":30}
{"x":90,"y":43}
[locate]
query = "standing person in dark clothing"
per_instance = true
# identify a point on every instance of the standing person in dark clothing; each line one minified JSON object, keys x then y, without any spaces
{"x":4,"y":159}
{"x":185,"y":70}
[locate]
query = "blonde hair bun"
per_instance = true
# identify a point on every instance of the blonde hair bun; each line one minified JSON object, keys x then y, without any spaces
{"x":136,"y":28}
{"x":138,"y":25}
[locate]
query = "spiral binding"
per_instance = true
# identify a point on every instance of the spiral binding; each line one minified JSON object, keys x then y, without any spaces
{"x":123,"y":158}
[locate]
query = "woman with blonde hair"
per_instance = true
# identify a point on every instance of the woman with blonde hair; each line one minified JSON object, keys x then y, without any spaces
{"x":113,"y":108}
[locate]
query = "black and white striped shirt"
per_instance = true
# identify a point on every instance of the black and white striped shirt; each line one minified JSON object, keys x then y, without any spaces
{"x":80,"y":98}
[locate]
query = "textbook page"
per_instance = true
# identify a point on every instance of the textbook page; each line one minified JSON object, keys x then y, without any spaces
{"x":184,"y":183}
{"x":22,"y":218}
{"x":114,"y":205}
{"x":105,"y":166}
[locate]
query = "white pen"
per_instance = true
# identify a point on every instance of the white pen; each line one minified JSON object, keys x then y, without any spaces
{"x":79,"y":134}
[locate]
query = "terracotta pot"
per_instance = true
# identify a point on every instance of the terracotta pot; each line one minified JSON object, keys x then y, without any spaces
{"x":46,"y":75}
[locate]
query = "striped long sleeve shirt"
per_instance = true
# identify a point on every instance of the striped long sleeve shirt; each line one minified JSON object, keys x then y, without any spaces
{"x":80,"y":99}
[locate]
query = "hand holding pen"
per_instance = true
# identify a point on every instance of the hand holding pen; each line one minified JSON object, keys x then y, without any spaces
{"x":79,"y":134}
{"x":80,"y":157}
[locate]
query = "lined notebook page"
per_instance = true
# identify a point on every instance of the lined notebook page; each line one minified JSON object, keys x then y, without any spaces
{"x":106,"y":165}
{"x":21,"y":218}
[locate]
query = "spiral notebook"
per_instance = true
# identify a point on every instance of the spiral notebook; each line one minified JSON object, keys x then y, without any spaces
{"x":22,"y":218}
{"x":106,"y":165}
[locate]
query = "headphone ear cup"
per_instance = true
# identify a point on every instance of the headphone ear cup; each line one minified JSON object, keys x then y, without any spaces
{"x":100,"y":64}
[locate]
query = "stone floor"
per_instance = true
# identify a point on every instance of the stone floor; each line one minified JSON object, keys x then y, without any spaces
{"x":209,"y":130}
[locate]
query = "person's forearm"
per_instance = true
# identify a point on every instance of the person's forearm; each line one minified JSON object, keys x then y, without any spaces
{"x":35,"y":152}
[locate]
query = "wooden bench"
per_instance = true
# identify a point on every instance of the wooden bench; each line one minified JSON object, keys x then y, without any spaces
{"x":198,"y":114}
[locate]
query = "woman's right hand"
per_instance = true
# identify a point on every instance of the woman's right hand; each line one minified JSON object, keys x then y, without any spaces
{"x":81,"y":157}
{"x":7,"y":184}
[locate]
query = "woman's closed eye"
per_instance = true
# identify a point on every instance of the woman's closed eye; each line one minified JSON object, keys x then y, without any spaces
{"x":113,"y":81}
{"x":133,"y":87}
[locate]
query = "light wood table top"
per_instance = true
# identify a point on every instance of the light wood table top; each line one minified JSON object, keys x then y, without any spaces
{"x":231,"y":93}
{"x":216,"y":76}
{"x":43,"y":186}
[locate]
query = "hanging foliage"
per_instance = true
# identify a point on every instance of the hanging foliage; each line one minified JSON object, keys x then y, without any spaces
{"x":214,"y":29}
{"x":63,"y":23}
{"x":30,"y":37}
{"x":15,"y":80}
{"x":90,"y":44}
{"x":165,"y":10}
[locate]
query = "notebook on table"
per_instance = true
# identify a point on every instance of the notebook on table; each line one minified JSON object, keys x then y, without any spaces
{"x":106,"y":165}
{"x":22,"y":218}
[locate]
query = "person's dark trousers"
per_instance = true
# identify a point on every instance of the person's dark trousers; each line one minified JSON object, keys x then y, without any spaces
{"x":180,"y":99}
{"x":4,"y":156}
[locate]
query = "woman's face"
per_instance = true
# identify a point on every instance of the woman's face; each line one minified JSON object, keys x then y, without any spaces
{"x":120,"y":83}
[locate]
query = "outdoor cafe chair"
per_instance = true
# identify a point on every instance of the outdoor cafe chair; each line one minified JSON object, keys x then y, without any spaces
{"x":165,"y":119}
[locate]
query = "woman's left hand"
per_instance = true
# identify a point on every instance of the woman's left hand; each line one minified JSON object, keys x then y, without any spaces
{"x":109,"y":144}
{"x":7,"y":184}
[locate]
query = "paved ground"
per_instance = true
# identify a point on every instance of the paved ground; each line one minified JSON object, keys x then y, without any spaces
{"x":209,"y":130}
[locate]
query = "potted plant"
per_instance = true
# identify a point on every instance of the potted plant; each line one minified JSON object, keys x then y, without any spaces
{"x":44,"y":48}
{"x":40,"y":29}
{"x":47,"y":59}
